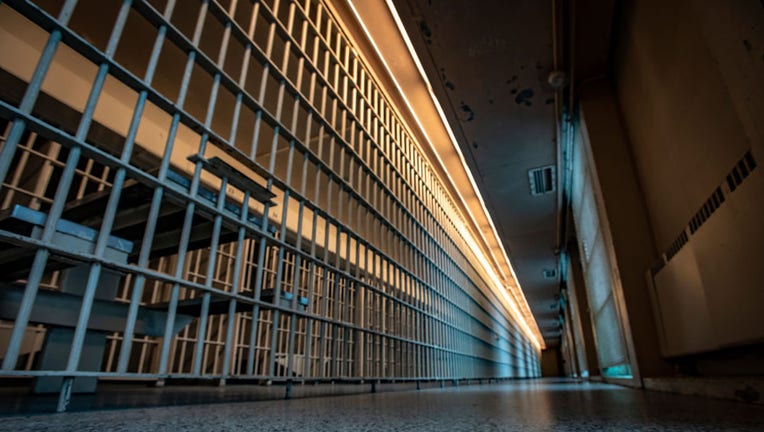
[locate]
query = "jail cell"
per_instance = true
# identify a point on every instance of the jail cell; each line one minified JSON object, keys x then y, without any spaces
{"x":36,"y":168}
{"x":234,"y":195}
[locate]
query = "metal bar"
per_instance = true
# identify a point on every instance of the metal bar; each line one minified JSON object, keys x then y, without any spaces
{"x":236,"y":282}
{"x":190,"y":207}
{"x":211,"y":261}
{"x":33,"y":90}
{"x":376,"y":94}
{"x":201,"y":336}
{"x":297,"y":266}
{"x":103,"y":236}
{"x":148,"y":237}
{"x":6,"y":156}
{"x":277,"y":288}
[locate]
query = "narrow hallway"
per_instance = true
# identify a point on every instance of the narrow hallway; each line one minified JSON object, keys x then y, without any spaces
{"x":381,"y":215}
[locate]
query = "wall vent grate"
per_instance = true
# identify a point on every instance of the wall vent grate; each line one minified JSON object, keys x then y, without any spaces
{"x":542,"y":180}
{"x":677,"y":245}
{"x":708,"y":208}
{"x":736,"y":176}
{"x":741,"y":171}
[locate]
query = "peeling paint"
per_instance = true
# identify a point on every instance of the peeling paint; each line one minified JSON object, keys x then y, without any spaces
{"x":466,"y":108}
{"x":425,"y":29}
{"x":524,"y":97}
{"x":426,"y":32}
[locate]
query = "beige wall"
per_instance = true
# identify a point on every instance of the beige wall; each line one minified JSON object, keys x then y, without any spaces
{"x":690,"y":79}
{"x":686,"y":103}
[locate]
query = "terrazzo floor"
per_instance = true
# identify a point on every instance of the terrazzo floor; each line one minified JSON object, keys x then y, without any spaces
{"x":514,"y":406}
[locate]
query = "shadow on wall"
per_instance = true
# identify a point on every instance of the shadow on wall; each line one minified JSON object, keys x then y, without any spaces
{"x":551,"y":363}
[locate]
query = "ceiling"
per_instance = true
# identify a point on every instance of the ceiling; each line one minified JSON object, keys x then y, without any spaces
{"x":488,"y":64}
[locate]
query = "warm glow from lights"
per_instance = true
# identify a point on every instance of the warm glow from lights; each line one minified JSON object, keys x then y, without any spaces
{"x":501,"y":285}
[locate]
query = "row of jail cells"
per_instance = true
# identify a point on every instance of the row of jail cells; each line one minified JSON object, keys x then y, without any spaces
{"x":408,"y":192}
{"x":416,"y":308}
{"x":335,"y":351}
{"x":335,"y":106}
{"x":320,"y":350}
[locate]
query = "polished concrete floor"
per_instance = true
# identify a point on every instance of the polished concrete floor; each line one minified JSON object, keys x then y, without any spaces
{"x":522,"y":406}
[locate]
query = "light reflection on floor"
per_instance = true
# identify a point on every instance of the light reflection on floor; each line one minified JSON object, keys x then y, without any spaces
{"x":524,"y":406}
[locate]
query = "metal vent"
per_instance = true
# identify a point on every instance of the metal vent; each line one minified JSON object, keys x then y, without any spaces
{"x":708,"y":208}
{"x":550,"y":273}
{"x":677,"y":245}
{"x":542,"y":180}
{"x":742,"y":169}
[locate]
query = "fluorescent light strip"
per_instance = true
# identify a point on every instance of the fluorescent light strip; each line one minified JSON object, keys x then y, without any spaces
{"x":522,"y":319}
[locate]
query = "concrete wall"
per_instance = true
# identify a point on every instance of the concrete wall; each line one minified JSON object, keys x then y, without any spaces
{"x":689,"y":86}
{"x":689,"y":75}
{"x":551,"y":363}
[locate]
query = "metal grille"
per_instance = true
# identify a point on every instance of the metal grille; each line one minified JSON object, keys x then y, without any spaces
{"x":221,"y":190}
{"x":542,"y":180}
